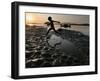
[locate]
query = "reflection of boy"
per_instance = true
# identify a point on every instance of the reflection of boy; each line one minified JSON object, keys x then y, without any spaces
{"x":51,"y":25}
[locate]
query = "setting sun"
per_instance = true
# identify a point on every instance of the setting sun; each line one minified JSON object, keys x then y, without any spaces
{"x":30,"y":18}
{"x":33,"y":18}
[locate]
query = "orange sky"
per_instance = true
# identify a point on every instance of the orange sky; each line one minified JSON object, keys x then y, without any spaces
{"x":35,"y":18}
{"x":42,"y":18}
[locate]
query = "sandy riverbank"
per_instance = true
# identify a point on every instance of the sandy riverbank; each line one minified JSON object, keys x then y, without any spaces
{"x":39,"y":53}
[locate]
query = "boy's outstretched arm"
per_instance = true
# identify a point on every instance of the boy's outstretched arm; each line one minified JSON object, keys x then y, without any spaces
{"x":47,"y":23}
{"x":57,"y":21}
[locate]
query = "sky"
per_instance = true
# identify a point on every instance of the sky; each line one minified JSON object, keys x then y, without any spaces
{"x":63,"y":18}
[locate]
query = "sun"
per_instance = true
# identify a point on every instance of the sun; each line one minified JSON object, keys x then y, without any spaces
{"x":30,"y":18}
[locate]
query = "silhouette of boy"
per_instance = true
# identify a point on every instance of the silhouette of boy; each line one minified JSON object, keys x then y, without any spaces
{"x":51,"y":25}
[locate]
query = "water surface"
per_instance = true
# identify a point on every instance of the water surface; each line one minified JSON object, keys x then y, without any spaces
{"x":61,"y":44}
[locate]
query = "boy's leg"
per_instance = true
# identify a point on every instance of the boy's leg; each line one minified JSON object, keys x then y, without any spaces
{"x":55,"y":31}
{"x":48,"y":31}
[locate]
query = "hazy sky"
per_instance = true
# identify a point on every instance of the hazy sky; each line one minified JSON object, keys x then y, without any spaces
{"x":42,"y":18}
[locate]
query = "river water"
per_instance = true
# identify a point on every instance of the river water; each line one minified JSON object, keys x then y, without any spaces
{"x":62,"y":44}
{"x":82,"y":29}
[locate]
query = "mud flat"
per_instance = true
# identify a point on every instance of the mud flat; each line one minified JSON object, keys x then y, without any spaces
{"x":69,"y":48}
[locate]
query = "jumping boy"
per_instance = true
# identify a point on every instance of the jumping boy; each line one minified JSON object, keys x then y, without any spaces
{"x":52,"y":25}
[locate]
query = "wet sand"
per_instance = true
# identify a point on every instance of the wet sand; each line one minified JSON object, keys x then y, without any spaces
{"x":69,"y":48}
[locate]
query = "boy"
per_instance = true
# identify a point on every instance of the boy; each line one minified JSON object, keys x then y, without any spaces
{"x":51,"y":25}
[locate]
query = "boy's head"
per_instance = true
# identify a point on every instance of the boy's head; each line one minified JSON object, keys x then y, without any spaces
{"x":49,"y":18}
